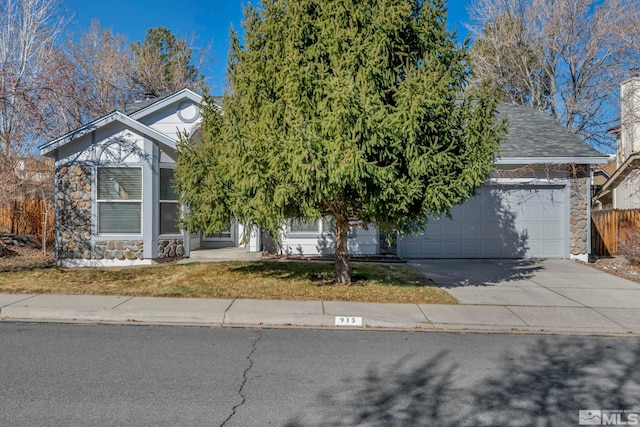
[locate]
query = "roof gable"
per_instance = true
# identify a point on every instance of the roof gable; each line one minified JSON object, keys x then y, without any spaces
{"x":161,"y":103}
{"x":116,"y":116}
{"x":130,"y":116}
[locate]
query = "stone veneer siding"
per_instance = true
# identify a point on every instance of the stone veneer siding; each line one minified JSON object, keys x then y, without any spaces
{"x":579,"y":222}
{"x":74,"y":212}
{"x":74,"y":221}
{"x":170,"y":248}
{"x":119,"y":249}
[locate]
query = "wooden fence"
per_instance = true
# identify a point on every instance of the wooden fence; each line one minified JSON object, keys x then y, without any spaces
{"x":610,"y":227}
{"x":27,"y":216}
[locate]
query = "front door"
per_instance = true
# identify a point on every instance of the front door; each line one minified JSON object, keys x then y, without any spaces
{"x":224,"y":239}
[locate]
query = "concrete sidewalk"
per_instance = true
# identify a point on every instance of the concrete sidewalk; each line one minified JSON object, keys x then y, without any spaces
{"x":556,"y":296}
{"x":317,"y":314}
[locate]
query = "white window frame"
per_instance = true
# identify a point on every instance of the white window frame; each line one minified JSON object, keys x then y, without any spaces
{"x":164,"y":201}
{"x":129,"y":201}
{"x":320,"y":229}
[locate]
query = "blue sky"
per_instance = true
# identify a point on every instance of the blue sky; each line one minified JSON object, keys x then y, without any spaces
{"x":207,"y":21}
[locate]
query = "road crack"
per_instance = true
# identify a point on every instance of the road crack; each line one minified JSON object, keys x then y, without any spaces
{"x":245,"y":376}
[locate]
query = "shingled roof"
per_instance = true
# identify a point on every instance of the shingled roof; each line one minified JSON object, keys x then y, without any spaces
{"x":533,"y":133}
{"x":132,"y":107}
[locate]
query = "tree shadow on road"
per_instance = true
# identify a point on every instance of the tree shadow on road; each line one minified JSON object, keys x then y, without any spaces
{"x":551,"y":381}
{"x":391,"y":396}
{"x":544,"y":384}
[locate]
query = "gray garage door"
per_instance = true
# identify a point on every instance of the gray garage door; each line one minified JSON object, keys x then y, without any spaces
{"x":500,"y":222}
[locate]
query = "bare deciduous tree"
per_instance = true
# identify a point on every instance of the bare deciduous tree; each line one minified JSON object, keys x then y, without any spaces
{"x":509,"y":57}
{"x":29,"y":30}
{"x":566,"y":57}
{"x":102,"y":65}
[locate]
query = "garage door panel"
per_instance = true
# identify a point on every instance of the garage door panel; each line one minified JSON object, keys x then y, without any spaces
{"x":551,"y":231}
{"x":551,"y":215}
{"x":451,"y":230}
{"x":435,"y":227}
{"x":532,"y":213}
{"x":493,"y":247}
{"x":492,"y":229}
{"x":534,"y":247}
{"x":551,"y":247}
{"x":414,"y":246}
{"x":473,"y":230}
{"x":473,"y":247}
{"x":469,"y":212}
{"x":531,"y":228}
{"x":499,"y":222}
{"x":451,"y":248}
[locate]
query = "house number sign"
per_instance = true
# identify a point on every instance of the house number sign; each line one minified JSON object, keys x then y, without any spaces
{"x":348,"y":321}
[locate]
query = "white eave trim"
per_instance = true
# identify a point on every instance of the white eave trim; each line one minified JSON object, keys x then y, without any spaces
{"x":166,"y":101}
{"x":115,"y":116}
{"x":551,"y":160}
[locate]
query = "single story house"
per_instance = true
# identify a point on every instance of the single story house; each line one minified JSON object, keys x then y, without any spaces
{"x":622,"y":189}
{"x":116,"y":204}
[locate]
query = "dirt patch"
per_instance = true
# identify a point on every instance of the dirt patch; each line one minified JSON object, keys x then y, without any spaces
{"x":18,"y":258}
{"x":619,"y":266}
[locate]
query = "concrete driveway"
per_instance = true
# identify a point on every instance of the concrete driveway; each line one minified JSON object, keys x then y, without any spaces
{"x":550,"y":282}
{"x":541,"y":292}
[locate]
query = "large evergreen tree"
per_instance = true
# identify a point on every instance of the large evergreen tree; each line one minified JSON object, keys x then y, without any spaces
{"x":164,"y":63}
{"x":340,"y":108}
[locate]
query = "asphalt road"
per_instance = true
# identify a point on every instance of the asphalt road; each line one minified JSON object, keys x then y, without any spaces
{"x":145,"y":375}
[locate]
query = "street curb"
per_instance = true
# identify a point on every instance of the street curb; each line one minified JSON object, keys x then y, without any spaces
{"x":109,"y":317}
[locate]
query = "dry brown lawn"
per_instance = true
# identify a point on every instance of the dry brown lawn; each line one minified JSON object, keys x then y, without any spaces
{"x":373,"y":282}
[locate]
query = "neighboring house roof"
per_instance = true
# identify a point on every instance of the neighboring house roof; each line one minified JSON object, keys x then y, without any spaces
{"x":632,"y":163}
{"x":609,"y":168}
{"x":130,"y":118}
{"x":535,"y":137}
{"x":601,"y":173}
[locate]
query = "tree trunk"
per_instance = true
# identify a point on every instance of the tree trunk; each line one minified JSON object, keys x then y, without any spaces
{"x":343,"y":273}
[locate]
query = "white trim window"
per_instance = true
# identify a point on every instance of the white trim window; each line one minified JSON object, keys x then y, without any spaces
{"x":119,"y":199}
{"x":304,"y":226}
{"x":169,"y":208}
{"x":311,"y":226}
